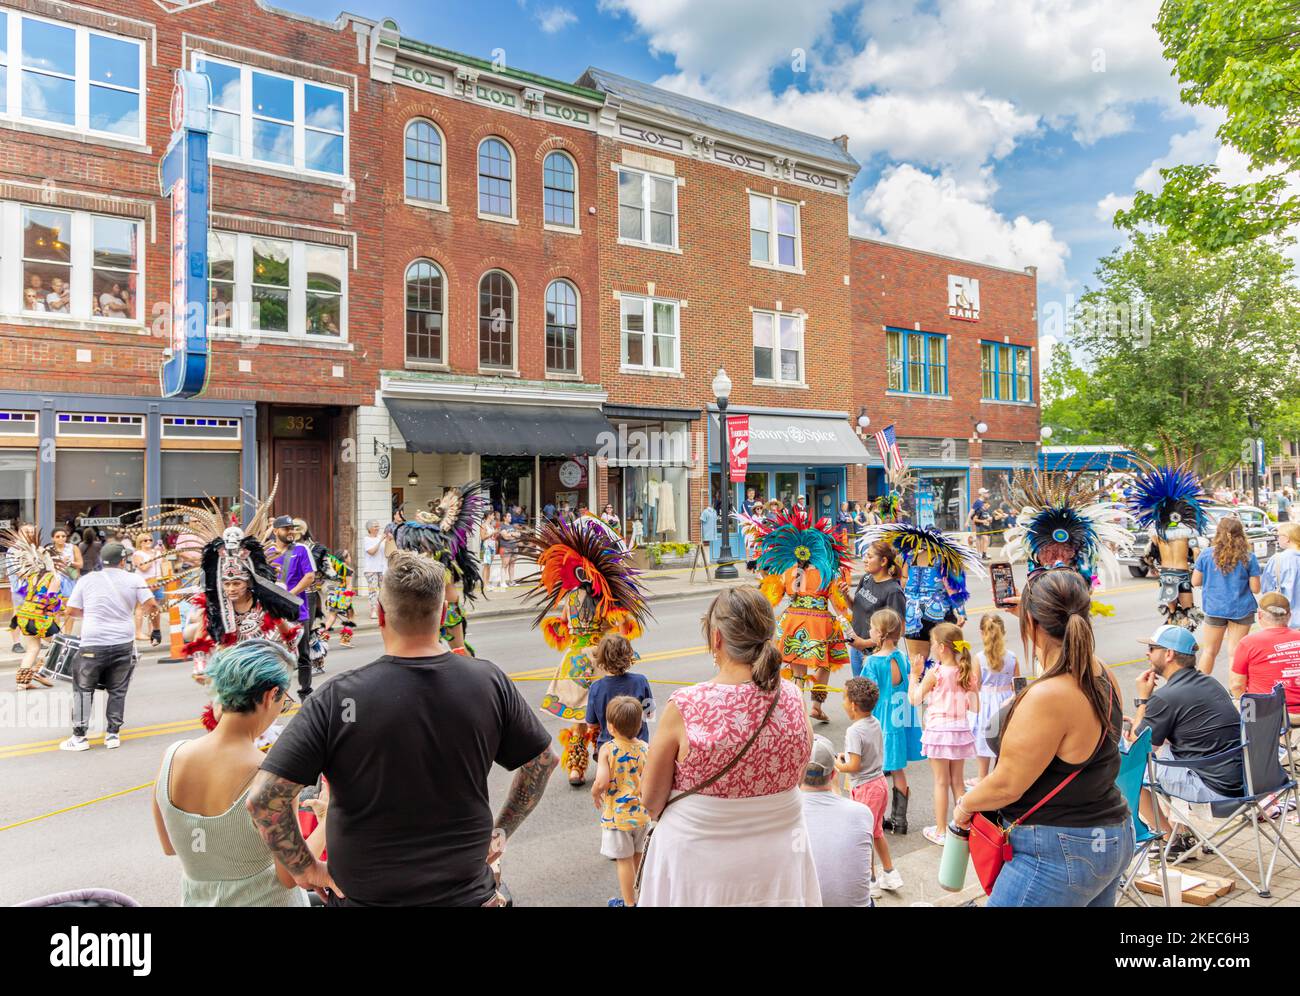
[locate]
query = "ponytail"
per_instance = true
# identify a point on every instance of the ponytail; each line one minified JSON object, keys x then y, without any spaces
{"x":767,"y":668}
{"x":743,"y":618}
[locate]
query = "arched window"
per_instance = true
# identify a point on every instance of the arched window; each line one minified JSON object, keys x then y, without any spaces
{"x":495,"y":178}
{"x":425,"y":311}
{"x":560,"y":190}
{"x":423,"y":162}
{"x":496,"y":321}
{"x":561,"y":328}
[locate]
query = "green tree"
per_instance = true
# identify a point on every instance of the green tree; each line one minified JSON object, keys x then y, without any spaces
{"x":1243,"y":57}
{"x":1184,"y":346}
{"x":1069,"y":407}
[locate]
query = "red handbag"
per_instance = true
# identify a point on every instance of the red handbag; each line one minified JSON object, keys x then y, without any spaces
{"x":990,"y":844}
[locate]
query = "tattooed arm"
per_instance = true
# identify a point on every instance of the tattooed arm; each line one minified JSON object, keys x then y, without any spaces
{"x":526,"y":790}
{"x":273,"y":805}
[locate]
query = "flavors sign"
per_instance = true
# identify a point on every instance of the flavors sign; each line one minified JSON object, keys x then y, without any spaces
{"x":963,"y":298}
{"x":184,"y":177}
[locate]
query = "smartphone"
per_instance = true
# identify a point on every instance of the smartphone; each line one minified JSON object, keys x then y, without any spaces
{"x":1004,"y":583}
{"x":1018,"y":685}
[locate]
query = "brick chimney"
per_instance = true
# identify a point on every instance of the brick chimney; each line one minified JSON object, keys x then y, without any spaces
{"x":842,"y":141}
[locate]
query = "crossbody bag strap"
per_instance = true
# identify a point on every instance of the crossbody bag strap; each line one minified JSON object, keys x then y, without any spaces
{"x":1105,"y":729}
{"x":734,"y":761}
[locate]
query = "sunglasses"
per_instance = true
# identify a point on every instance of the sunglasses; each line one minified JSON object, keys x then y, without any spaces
{"x":287,"y":701}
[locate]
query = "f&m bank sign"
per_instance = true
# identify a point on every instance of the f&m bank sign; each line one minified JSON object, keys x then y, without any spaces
{"x":184,"y":176}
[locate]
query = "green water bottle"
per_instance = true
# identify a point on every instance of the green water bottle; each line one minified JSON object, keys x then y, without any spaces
{"x":956,"y":856}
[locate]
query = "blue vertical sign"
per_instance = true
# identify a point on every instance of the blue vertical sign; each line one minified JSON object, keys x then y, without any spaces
{"x":925,"y":508}
{"x":184,"y":177}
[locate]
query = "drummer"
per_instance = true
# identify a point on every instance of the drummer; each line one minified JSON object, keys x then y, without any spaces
{"x":107,"y":601}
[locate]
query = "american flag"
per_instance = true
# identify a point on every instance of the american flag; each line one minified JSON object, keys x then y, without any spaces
{"x":888,"y":444}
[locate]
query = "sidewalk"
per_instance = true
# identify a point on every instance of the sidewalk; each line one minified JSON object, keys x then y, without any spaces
{"x":660,"y":586}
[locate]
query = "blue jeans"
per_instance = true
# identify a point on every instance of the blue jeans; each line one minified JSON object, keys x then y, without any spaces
{"x":1064,"y":866}
{"x":856,"y":659}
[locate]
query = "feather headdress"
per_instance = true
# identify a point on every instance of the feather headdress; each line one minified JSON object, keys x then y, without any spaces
{"x":1166,"y":497}
{"x":444,"y":533}
{"x":914,"y":543}
{"x":584,"y":555}
{"x":789,"y":539}
{"x":1063,"y":521}
{"x":27,"y":558}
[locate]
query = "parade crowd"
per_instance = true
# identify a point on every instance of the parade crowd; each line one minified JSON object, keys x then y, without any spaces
{"x":374,"y":792}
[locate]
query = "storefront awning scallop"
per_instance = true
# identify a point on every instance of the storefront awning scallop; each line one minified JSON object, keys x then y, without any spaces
{"x":498,"y":429}
{"x":798,"y":440}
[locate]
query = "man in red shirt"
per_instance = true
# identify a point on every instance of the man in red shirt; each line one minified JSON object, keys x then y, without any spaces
{"x":1269,"y":655}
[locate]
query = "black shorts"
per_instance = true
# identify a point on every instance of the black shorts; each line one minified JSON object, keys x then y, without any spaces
{"x":1220,"y":621}
{"x":928,"y":625}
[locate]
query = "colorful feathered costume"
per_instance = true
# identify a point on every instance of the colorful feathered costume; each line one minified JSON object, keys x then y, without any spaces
{"x":38,"y":597}
{"x":804,"y":561}
{"x":230,"y":553}
{"x":444,"y":534}
{"x":1063,"y":522}
{"x":586,"y":587}
{"x":1169,"y":501}
{"x":937,"y":568}
{"x":339,"y":594}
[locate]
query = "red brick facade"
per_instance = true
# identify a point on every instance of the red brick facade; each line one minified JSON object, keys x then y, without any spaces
{"x":896,"y":287}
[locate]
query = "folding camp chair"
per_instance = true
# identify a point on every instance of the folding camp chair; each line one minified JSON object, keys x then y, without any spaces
{"x":1132,"y":766}
{"x":1267,"y":783}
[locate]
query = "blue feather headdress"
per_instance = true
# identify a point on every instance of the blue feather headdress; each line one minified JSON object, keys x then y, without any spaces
{"x":1062,"y":522}
{"x":954,"y":560}
{"x":792,"y":538}
{"x":1168,"y":496}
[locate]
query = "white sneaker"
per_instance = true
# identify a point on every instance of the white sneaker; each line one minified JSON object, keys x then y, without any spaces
{"x":891,"y":881}
{"x":75,"y":743}
{"x":875,"y":888}
{"x":112,"y":741}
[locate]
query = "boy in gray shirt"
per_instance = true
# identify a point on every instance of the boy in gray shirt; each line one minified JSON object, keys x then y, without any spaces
{"x":863,"y":762}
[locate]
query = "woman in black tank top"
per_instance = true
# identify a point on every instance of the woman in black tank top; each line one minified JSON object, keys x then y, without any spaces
{"x":1072,"y":849}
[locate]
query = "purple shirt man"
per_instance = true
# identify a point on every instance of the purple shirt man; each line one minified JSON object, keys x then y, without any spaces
{"x":292,"y":563}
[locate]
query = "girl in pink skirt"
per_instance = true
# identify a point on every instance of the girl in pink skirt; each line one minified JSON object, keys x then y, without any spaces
{"x":948,"y":685}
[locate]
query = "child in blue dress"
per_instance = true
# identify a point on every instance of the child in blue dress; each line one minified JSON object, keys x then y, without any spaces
{"x":900,"y":722}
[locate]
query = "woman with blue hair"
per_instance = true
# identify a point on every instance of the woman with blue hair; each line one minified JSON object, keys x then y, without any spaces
{"x":199,"y":797}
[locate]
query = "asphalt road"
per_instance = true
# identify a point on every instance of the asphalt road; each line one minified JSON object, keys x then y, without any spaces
{"x":78,"y":820}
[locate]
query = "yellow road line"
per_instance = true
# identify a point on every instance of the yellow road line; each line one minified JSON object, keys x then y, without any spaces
{"x":79,"y":805}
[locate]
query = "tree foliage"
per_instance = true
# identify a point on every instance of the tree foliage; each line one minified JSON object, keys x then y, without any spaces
{"x":1243,"y":57}
{"x":1183,"y":347}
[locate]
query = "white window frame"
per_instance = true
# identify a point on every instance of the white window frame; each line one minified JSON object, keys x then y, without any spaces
{"x":441,"y":360}
{"x":300,"y":129}
{"x":513,"y":218}
{"x":576,"y":372}
{"x":577,"y":188}
{"x":800,"y":323}
{"x":513,"y":368}
{"x":81,"y":303}
{"x":649,"y":333}
{"x":241,"y":312}
{"x":442,"y":166}
{"x":773,"y":242}
{"x":13,"y":69}
{"x":647,"y":198}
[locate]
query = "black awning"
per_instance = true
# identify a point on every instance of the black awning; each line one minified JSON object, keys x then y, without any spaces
{"x":649,"y":412}
{"x":497,"y":429}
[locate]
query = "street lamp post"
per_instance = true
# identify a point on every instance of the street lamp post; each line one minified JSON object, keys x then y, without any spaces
{"x":726,"y":569}
{"x":1254,"y":459}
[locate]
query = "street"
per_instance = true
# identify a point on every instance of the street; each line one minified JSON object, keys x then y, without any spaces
{"x":80,"y":820}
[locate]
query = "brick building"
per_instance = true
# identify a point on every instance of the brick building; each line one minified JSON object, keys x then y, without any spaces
{"x":491,"y":355}
{"x":944,"y":346}
{"x":723,"y":244}
{"x":85,"y":264}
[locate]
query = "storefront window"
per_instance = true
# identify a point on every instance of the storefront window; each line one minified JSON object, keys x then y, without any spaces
{"x":191,"y":478}
{"x":656,"y":498}
{"x":97,"y":483}
{"x":787,"y":487}
{"x":757,"y":481}
{"x":939,"y":500}
{"x":17,"y":487}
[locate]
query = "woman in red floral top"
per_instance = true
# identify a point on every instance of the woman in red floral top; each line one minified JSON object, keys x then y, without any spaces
{"x":728,"y":843}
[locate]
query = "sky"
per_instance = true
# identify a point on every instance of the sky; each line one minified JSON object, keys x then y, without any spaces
{"x":1004,"y":131}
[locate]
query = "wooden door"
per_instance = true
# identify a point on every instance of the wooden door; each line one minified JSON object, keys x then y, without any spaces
{"x":306,"y":485}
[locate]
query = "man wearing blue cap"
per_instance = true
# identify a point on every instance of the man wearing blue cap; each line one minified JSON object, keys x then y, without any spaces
{"x":1191,"y":715}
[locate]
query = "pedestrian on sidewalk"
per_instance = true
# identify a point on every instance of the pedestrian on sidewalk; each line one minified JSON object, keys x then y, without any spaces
{"x":731,"y":753}
{"x":409,"y":823}
{"x":900,"y":721}
{"x":863,"y":763}
{"x":998,"y":671}
{"x":490,"y":538}
{"x":620,"y":767}
{"x":1229,"y":572}
{"x":1269,"y":656}
{"x":106,"y":601}
{"x":203,"y":785}
{"x":839,"y":833}
{"x":149,"y":564}
{"x":1283,"y":571}
{"x":374,"y":563}
{"x":879,"y":588}
{"x":26,"y":532}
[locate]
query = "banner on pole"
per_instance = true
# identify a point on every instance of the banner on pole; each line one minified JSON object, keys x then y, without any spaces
{"x":738,"y":454}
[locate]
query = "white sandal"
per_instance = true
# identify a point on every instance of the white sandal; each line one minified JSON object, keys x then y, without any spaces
{"x":933,"y":835}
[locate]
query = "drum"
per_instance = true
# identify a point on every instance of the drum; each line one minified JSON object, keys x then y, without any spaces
{"x":59,"y":656}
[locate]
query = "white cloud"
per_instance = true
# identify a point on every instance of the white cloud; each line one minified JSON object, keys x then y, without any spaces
{"x":1112,"y":202}
{"x":555,"y":19}
{"x":914,"y":208}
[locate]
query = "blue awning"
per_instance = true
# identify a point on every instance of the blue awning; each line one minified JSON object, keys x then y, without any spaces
{"x":1083,"y":459}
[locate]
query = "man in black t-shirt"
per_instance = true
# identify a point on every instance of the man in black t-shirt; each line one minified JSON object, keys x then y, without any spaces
{"x":406,"y":743}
